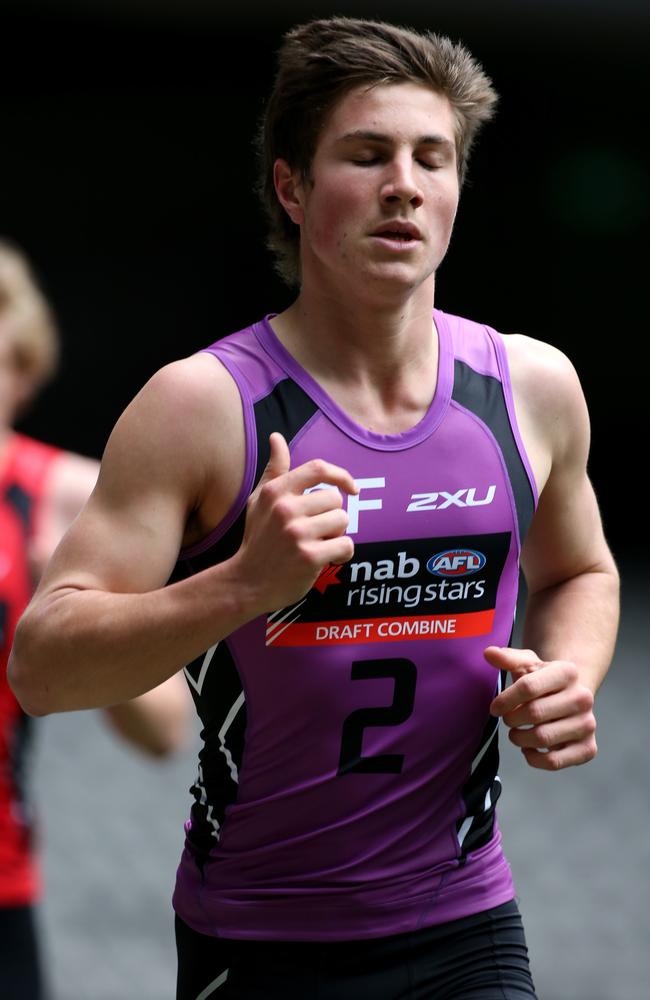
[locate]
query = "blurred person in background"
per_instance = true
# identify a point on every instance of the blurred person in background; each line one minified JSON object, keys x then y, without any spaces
{"x":42,"y":489}
{"x":345,"y":493}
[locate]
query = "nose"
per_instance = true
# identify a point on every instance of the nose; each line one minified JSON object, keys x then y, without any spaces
{"x":400,"y":183}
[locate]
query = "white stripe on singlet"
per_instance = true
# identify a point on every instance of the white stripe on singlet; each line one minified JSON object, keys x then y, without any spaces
{"x":213,"y":986}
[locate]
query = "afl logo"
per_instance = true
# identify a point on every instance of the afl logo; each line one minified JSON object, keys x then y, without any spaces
{"x":456,"y":562}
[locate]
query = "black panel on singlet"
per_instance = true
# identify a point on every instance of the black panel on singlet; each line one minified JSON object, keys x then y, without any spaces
{"x":483,"y":395}
{"x":217,"y":693}
{"x":286,"y":409}
{"x":482,"y":780}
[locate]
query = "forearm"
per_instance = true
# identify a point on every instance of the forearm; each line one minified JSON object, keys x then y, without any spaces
{"x":576,"y":620}
{"x":79,"y":649}
{"x":157,"y":722}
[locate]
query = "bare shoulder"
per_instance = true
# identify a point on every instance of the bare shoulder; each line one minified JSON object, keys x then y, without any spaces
{"x":170,"y":471}
{"x":186,"y":393}
{"x":549,"y":402}
{"x":182,"y":434}
{"x":543,"y":373}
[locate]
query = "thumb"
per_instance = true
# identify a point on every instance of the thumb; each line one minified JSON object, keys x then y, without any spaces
{"x":517,"y":661}
{"x":279,"y":460}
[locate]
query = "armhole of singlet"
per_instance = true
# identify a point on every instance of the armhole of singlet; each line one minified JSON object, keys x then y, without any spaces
{"x":250,"y":463}
{"x":504,"y":372}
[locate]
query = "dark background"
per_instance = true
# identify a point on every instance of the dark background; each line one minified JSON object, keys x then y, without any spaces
{"x":126,"y":171}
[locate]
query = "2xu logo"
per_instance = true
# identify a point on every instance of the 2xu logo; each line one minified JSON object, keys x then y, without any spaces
{"x":440,"y":500}
{"x":456,"y":562}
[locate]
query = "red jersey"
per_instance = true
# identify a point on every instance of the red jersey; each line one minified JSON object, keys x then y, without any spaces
{"x":23,"y":471}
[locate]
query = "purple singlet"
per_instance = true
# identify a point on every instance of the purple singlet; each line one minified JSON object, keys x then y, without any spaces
{"x":348,"y":781}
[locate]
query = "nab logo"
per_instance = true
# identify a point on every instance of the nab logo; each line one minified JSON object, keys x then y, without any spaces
{"x":456,"y":562}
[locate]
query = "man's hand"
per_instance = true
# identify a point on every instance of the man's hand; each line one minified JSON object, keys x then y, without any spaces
{"x":291,"y":535}
{"x":547,"y":708}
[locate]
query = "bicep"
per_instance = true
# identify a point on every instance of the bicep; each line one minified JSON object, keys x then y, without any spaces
{"x":566,"y":537}
{"x":126,"y":547}
{"x":127,"y":537}
{"x":69,"y":484}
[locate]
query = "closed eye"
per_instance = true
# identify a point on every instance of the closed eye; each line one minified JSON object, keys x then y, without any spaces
{"x":429,"y":165}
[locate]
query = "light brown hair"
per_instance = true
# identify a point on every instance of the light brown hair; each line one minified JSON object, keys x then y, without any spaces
{"x":318,"y":63}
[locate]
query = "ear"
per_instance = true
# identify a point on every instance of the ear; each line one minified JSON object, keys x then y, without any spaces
{"x":289,"y":190}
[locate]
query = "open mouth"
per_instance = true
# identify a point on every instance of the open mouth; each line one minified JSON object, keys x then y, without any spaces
{"x":403,"y":233}
{"x":402,"y":237}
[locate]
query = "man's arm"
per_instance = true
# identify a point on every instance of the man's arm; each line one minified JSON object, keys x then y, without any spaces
{"x":156,"y":722}
{"x":102,"y":627}
{"x":69,"y":483}
{"x":572,"y":610}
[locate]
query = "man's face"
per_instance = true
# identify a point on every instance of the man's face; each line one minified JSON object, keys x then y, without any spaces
{"x":380,"y":203}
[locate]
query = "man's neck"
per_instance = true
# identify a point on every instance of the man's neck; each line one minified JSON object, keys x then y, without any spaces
{"x":379,"y":362}
{"x":342,"y":338}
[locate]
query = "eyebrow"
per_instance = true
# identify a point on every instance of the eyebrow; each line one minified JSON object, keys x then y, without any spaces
{"x":369,"y":136}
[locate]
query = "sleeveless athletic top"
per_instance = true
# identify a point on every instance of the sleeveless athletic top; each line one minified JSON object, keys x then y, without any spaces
{"x":23,"y":469}
{"x":348,"y":780}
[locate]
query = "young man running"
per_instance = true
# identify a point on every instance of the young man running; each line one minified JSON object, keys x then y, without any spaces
{"x":342,"y":496}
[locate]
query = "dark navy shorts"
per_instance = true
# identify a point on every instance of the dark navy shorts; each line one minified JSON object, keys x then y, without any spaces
{"x":20,"y":967}
{"x":482,"y":957}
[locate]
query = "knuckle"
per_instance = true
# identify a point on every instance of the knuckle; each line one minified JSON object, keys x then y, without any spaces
{"x":283,"y":507}
{"x":317,"y":467}
{"x":525,"y":686}
{"x":553,"y":761}
{"x":343,"y":519}
{"x":267,"y":491}
{"x":348,"y":548}
{"x":293,"y":531}
{"x":590,"y":725}
{"x":533,"y":758}
{"x":307,"y":556}
{"x":546,"y":737}
{"x":536,"y":713}
{"x":570,"y":670}
{"x":585,"y":699}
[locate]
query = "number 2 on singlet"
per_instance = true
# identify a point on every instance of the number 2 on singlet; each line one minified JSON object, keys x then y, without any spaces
{"x":404,"y":673}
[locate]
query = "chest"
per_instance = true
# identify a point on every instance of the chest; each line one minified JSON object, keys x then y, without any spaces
{"x":454,"y":481}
